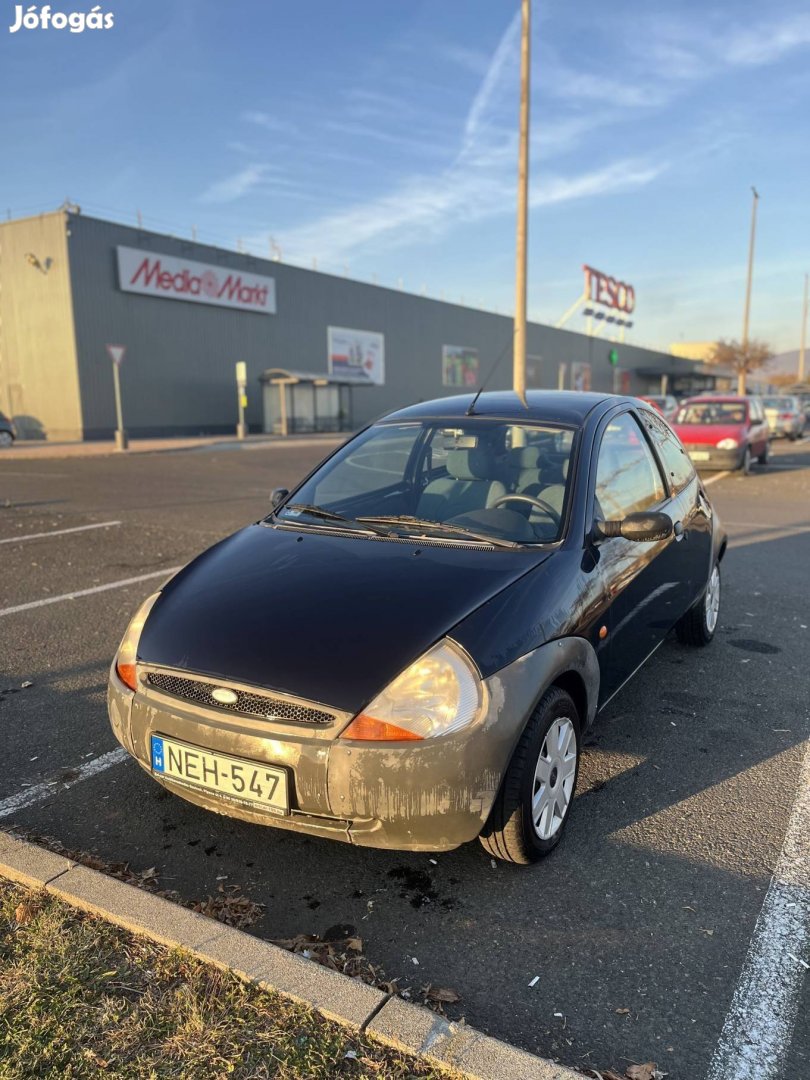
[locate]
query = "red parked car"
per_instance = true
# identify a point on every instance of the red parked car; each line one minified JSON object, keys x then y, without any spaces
{"x":723,"y":432}
{"x":666,"y":404}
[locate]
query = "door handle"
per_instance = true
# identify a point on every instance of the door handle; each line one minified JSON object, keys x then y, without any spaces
{"x":677,"y":530}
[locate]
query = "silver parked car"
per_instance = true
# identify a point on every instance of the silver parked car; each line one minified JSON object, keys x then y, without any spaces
{"x":785,"y":416}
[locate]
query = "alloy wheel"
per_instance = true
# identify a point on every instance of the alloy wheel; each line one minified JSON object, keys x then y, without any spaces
{"x":5,"y":438}
{"x":712,"y":601}
{"x":554,"y":777}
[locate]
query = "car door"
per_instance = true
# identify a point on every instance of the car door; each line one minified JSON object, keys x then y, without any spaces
{"x":690,"y":510}
{"x":759,"y":432}
{"x":642,"y":581}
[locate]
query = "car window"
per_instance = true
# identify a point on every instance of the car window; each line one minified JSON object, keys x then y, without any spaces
{"x":369,"y":464}
{"x":677,"y":466}
{"x":456,"y":474}
{"x":627,"y":476}
{"x":755,"y":408}
{"x":711,"y":412}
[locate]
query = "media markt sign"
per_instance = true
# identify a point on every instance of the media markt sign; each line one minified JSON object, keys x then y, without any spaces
{"x":171,"y":278}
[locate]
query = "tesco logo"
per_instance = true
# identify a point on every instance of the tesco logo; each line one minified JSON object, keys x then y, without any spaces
{"x":177,"y":279}
{"x":602,"y":289}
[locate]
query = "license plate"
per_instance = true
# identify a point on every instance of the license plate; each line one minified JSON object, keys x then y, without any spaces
{"x":236,"y":778}
{"x":700,"y":455}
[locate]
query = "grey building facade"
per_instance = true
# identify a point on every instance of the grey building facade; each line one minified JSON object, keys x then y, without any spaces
{"x":66,"y":292}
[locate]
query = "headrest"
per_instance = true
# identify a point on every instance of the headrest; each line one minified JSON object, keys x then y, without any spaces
{"x":524,"y":457}
{"x":474,"y":464}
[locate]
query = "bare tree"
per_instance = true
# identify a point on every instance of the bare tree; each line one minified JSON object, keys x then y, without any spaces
{"x":740,"y":358}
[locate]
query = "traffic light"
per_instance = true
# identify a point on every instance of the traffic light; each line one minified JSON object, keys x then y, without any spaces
{"x":613,"y":357}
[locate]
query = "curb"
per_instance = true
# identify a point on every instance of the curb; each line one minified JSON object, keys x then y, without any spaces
{"x":36,"y":451}
{"x":392,"y":1021}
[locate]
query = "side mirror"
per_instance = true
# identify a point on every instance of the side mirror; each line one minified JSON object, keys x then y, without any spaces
{"x":641,"y":527}
{"x":278,"y":495}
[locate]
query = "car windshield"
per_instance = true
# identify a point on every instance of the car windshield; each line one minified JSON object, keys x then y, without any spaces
{"x":711,"y":412}
{"x":783,"y":404}
{"x":482,"y":480}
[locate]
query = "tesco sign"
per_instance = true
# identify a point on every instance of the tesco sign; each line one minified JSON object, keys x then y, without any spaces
{"x":602,"y":289}
{"x":171,"y":278}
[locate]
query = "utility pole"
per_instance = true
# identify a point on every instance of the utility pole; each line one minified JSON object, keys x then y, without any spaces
{"x":519,"y":347}
{"x":804,"y":331}
{"x":741,"y":374}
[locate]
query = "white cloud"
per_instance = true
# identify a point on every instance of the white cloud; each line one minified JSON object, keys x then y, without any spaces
{"x":480,"y":181}
{"x":265,"y":120}
{"x":235,"y":186}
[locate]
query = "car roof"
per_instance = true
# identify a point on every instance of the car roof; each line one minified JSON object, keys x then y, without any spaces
{"x":569,"y":407}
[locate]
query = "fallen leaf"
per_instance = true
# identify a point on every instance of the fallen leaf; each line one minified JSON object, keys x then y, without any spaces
{"x":26,"y":911}
{"x":646,"y":1071}
{"x":443,"y":994}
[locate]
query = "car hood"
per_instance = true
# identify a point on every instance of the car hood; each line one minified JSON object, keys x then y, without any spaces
{"x":327,"y":617}
{"x":709,"y":434}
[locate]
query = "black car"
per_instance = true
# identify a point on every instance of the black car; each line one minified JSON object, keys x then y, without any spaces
{"x":7,"y":432}
{"x":406,"y":652}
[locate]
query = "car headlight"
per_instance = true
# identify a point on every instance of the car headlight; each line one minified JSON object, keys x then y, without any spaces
{"x":727,"y":444}
{"x":439,"y":693}
{"x":128,"y":650}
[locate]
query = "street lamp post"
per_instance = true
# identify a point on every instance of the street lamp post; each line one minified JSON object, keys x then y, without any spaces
{"x":804,"y":332}
{"x":519,"y":347}
{"x":746,"y":314}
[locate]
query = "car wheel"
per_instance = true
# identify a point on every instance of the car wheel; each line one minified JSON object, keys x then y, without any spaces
{"x":699,"y":625}
{"x":745,"y":464}
{"x":765,"y":456}
{"x":6,"y":438}
{"x":536,"y":795}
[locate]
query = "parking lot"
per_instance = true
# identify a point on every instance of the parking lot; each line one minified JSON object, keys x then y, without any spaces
{"x":638,"y":925}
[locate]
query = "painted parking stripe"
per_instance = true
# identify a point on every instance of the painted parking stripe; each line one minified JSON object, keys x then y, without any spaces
{"x":757,"y":1033}
{"x":716,"y":477}
{"x":58,"y":532}
{"x":39,"y":792}
{"x":89,"y":592}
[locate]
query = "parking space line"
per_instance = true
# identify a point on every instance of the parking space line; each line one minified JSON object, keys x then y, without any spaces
{"x":758,"y":1030}
{"x":58,"y":532}
{"x":88,"y":592}
{"x":716,"y":477}
{"x":39,"y":792}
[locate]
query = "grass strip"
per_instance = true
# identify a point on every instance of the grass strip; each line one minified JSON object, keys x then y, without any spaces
{"x":80,"y":997}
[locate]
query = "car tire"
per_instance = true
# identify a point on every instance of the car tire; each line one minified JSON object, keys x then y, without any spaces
{"x":745,"y":464}
{"x":699,"y":625}
{"x":6,"y":439}
{"x":765,"y":456}
{"x":552,"y":736}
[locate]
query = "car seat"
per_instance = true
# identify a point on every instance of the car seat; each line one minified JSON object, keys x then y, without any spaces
{"x":469,"y":485}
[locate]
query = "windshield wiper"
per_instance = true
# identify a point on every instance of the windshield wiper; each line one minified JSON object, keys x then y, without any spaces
{"x":410,"y":521}
{"x":331,"y":515}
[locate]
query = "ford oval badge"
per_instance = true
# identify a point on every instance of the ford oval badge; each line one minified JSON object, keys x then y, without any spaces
{"x":224,"y":696}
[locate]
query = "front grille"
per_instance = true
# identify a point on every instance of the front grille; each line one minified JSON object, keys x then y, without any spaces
{"x":269,"y":708}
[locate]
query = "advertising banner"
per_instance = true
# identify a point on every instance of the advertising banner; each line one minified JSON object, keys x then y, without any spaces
{"x":358,"y":355}
{"x":580,"y":376}
{"x":171,"y":278}
{"x":460,"y":366}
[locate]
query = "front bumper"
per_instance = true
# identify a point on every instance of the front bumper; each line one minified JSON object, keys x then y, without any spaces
{"x":715,"y":458}
{"x":429,"y":796}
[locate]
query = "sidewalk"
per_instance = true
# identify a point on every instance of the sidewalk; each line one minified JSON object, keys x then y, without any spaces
{"x":28,"y":451}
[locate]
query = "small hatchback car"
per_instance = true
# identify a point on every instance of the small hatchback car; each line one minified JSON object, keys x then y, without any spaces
{"x":406,"y":652}
{"x":724,"y":432}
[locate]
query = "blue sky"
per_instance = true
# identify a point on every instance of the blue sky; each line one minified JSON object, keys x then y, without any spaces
{"x":379,"y":138}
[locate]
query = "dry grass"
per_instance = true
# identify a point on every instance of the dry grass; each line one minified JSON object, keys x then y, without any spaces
{"x":80,"y":997}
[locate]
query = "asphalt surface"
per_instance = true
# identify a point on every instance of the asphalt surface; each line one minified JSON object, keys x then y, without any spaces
{"x":637,"y":925}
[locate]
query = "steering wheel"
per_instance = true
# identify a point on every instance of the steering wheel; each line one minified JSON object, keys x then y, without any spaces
{"x":541,"y":504}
